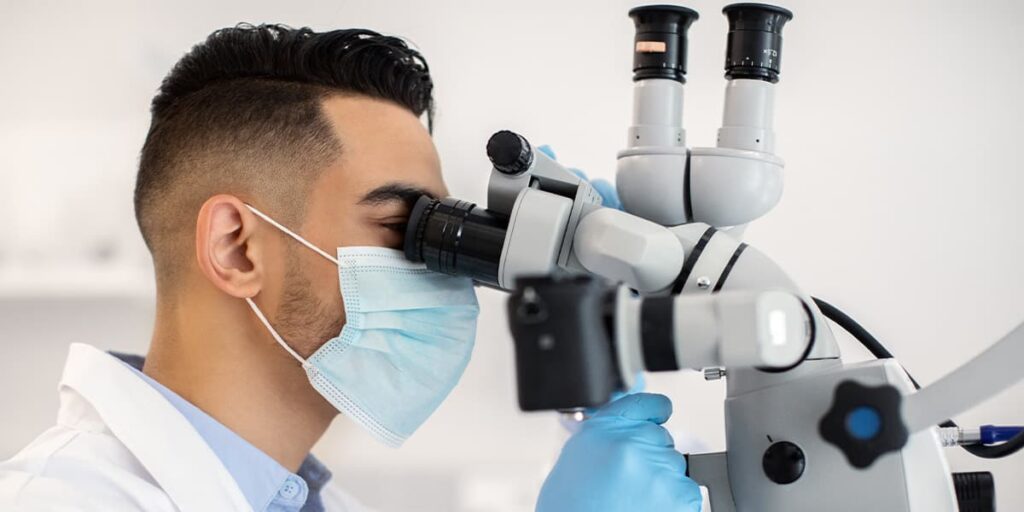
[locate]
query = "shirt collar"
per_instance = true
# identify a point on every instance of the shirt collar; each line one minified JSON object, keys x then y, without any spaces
{"x":261,"y":479}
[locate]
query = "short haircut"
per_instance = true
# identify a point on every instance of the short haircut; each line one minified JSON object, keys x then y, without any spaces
{"x":242,"y":113}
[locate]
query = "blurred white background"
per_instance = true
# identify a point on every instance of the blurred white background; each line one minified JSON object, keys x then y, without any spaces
{"x":899,"y":123}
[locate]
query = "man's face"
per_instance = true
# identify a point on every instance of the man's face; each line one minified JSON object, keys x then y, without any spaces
{"x":388,"y":160}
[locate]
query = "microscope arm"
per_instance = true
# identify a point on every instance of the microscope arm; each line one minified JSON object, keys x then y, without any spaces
{"x":736,"y":329}
{"x":726,"y":304}
{"x":992,"y":371}
{"x":627,"y":249}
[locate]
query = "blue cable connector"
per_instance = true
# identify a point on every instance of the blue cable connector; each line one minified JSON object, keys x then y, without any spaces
{"x":992,"y":434}
{"x":983,"y":435}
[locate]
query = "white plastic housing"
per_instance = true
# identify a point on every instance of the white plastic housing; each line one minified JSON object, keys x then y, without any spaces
{"x":657,"y":114}
{"x":652,"y":170}
{"x":915,"y":479}
{"x":651,"y":184}
{"x":729,"y":187}
{"x":627,"y":249}
{"x":747,"y":117}
{"x":536,"y":229}
{"x":740,"y":329}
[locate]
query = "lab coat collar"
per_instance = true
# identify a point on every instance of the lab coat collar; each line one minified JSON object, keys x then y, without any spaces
{"x":151,"y":428}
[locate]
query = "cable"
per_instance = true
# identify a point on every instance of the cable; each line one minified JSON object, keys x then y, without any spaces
{"x":1015,"y":444}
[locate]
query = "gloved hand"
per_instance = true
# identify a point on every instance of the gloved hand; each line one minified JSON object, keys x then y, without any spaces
{"x":622,"y":460}
{"x":609,"y":197}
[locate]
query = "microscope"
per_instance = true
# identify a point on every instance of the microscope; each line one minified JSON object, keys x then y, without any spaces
{"x":666,"y":284}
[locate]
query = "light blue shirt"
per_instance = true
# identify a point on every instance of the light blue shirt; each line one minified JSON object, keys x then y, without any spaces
{"x":266,"y":484}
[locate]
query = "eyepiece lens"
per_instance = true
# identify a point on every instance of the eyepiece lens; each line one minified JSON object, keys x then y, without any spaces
{"x":455,"y":237}
{"x":754,"y":46}
{"x":659,"y":50}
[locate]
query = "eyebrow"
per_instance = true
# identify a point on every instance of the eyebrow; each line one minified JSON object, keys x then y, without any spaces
{"x":394,"y":192}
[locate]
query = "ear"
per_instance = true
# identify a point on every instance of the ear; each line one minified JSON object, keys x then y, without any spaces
{"x":224,"y":248}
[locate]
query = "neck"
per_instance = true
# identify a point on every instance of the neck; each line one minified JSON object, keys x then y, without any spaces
{"x":217,"y":359}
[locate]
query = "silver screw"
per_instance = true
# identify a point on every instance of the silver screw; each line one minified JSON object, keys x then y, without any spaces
{"x":703,"y":282}
{"x":714,"y":373}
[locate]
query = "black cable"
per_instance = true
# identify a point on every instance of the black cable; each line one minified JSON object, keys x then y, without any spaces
{"x":1015,"y":444}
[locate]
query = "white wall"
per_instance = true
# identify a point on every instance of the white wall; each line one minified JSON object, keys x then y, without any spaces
{"x":899,"y":123}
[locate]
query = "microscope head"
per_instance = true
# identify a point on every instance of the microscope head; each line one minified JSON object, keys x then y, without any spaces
{"x":658,"y":177}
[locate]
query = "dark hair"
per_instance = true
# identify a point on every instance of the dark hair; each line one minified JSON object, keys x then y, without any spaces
{"x":242,"y":112}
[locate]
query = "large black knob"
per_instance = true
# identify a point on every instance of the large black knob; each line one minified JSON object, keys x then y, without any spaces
{"x":659,"y":50}
{"x":509,"y":152}
{"x":754,"y":46}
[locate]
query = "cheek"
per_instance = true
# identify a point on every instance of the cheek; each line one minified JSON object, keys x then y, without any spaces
{"x":328,"y":292}
{"x":321,"y":315}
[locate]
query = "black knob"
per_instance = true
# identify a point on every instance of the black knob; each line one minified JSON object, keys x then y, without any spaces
{"x":864,"y":422}
{"x":659,"y":50}
{"x":754,"y":46}
{"x":975,"y":492}
{"x":783,"y":462}
{"x":509,"y":152}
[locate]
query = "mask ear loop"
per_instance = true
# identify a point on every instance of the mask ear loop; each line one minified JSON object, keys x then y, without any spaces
{"x":273,"y":332}
{"x":252,"y":304}
{"x":292,"y":234}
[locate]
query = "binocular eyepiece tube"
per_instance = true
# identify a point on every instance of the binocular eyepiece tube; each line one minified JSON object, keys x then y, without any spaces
{"x":659,"y":50}
{"x":754,"y":45}
{"x":456,"y":237}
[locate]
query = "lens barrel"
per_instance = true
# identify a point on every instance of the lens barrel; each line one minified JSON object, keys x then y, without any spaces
{"x":754,"y":46}
{"x":659,"y":49}
{"x":456,"y":237}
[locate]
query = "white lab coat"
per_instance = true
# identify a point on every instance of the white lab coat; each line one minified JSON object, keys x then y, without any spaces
{"x":120,"y":446}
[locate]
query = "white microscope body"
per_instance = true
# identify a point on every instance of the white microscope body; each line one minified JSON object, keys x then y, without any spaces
{"x":729,"y":186}
{"x":777,"y":458}
{"x":804,"y":431}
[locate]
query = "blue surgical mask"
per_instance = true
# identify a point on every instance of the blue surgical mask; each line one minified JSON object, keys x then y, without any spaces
{"x":407,"y":339}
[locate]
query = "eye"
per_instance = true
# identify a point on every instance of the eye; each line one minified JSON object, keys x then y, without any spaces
{"x":397,"y":227}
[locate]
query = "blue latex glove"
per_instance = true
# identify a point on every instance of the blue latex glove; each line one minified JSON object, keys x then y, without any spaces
{"x":622,"y":460}
{"x":609,"y":197}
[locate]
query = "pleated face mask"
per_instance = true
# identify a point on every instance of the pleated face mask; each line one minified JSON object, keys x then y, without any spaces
{"x":407,"y":339}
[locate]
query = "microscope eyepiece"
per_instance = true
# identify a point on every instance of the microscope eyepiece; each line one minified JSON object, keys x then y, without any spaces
{"x":754,"y":46}
{"x":659,"y":50}
{"x":455,"y":237}
{"x":509,"y":152}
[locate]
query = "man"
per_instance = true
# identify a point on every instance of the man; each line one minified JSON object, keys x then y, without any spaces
{"x":279,"y":169}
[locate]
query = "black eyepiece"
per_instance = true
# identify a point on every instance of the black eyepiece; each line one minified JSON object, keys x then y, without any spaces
{"x":754,"y":46}
{"x":455,"y":237}
{"x":509,"y":152}
{"x":659,"y":50}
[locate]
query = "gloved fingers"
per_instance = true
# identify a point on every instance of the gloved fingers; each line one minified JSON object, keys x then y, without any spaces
{"x":639,"y":383}
{"x":689,"y":493}
{"x":656,"y":435}
{"x":579,"y":174}
{"x":609,"y":197}
{"x":546,"y":149}
{"x":643,"y":435}
{"x":639,"y":407}
{"x":674,"y":461}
